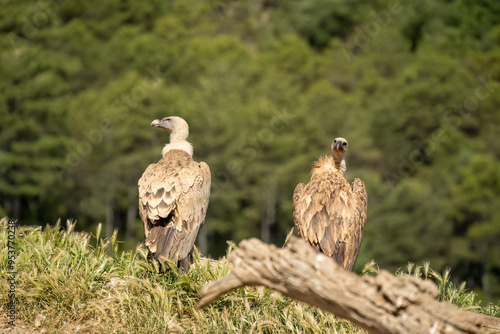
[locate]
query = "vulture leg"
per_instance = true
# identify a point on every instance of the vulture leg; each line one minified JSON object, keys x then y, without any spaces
{"x":185,"y":263}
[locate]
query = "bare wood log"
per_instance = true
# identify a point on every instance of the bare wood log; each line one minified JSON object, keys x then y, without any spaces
{"x":382,"y":304}
{"x":492,"y":323}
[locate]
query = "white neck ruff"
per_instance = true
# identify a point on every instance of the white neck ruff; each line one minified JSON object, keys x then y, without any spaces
{"x":182,"y":145}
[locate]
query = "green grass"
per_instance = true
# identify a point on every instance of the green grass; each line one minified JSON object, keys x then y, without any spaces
{"x":80,"y":283}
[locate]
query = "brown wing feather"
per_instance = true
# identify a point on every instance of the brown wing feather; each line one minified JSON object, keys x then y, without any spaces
{"x":173,"y":201}
{"x":331,"y":215}
{"x":361,"y":198}
{"x":297,"y":195}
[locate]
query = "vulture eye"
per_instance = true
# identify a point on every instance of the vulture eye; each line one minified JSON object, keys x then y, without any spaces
{"x":335,"y":140}
{"x":345,"y":144}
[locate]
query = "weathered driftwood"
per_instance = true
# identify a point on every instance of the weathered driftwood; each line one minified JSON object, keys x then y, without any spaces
{"x":381,"y":304}
{"x":491,"y":323}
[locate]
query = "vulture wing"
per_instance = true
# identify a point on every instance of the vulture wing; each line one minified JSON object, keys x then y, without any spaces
{"x":297,"y":198}
{"x":173,"y":201}
{"x":331,"y":215}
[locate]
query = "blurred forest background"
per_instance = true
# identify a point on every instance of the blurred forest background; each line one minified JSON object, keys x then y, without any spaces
{"x":265,"y":85}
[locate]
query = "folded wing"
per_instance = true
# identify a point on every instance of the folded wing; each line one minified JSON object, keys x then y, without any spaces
{"x":330,"y":214}
{"x":173,"y":201}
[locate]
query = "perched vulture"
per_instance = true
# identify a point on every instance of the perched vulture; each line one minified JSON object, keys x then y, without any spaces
{"x":328,"y":212}
{"x":173,"y":196}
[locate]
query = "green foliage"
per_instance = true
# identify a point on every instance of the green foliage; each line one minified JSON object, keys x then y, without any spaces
{"x":265,"y":87}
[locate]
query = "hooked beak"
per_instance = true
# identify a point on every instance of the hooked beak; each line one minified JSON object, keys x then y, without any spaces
{"x":338,"y":145}
{"x":164,"y":123}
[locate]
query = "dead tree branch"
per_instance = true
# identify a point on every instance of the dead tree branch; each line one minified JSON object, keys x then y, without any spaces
{"x":382,"y":304}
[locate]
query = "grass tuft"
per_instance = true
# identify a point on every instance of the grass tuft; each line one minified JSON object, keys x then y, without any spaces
{"x":78,"y":282}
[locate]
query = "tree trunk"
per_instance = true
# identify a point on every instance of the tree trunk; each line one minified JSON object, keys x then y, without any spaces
{"x":16,"y":207}
{"x":202,"y":239}
{"x":381,"y":305}
{"x":110,"y":215}
{"x":131,"y":213}
{"x":268,"y":219}
{"x":485,"y":280}
{"x":110,"y":190}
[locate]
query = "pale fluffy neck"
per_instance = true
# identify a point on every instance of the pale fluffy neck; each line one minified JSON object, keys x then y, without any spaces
{"x":340,"y":165}
{"x":182,"y":145}
{"x":338,"y":158}
{"x":178,"y":142}
{"x":329,"y":163}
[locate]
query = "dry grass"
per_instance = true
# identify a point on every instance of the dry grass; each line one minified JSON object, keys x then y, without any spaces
{"x":79,"y":283}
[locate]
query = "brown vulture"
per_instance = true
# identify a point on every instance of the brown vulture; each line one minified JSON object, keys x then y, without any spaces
{"x":173,"y":196}
{"x":328,"y":212}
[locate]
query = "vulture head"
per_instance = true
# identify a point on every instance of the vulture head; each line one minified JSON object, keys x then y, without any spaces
{"x":172,"y":124}
{"x":339,"y":147}
{"x":179,"y":131}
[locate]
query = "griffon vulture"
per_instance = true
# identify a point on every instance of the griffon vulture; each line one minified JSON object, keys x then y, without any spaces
{"x":173,"y":196}
{"x":328,"y":212}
